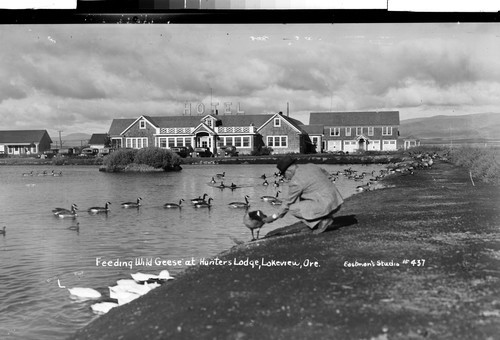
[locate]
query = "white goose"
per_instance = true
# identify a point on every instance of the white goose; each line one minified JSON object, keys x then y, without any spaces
{"x":164,"y":275}
{"x":82,"y":293}
{"x":103,"y":307}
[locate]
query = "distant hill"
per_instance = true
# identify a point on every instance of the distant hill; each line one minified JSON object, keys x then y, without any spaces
{"x":71,"y":140}
{"x":472,"y":126}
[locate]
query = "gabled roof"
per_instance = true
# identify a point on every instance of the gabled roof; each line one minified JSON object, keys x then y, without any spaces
{"x":292,"y":122}
{"x":203,"y":127}
{"x":355,"y":118}
{"x":98,"y":138}
{"x":410,"y":137}
{"x":316,"y":129}
{"x":22,"y":136}
{"x":118,"y":125}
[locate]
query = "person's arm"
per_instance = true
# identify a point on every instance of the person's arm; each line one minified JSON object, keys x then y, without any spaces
{"x":294,"y":192}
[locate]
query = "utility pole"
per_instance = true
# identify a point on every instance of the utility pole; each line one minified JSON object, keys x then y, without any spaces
{"x":60,"y":139}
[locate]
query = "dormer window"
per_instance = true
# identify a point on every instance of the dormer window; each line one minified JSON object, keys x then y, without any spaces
{"x":277,"y":122}
{"x":209,"y":122}
{"x":142,"y":124}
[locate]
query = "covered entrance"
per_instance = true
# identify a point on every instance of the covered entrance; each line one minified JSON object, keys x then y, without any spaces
{"x":204,"y":137}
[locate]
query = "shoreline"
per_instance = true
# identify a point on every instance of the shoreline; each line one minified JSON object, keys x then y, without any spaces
{"x":356,"y":281}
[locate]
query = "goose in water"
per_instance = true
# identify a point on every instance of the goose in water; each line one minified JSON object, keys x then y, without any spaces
{"x":65,"y":213}
{"x":84,"y":293}
{"x":96,"y":210}
{"x":136,"y":204}
{"x":233,"y":186}
{"x":44,"y":173}
{"x":221,"y":185}
{"x":253,"y":221}
{"x":75,"y":227}
{"x":199,"y":199}
{"x":103,"y":307}
{"x":276,"y":184}
{"x":365,"y":187}
{"x":3,"y":232}
{"x":56,"y":174}
{"x":213,"y":181}
{"x":164,"y":275}
{"x":222,"y":175}
{"x":28,"y":173}
{"x":240,"y":204}
{"x":174,"y":205}
{"x":270,"y":199}
{"x":266,"y":183}
{"x":263,"y":176}
{"x":56,"y":211}
{"x":136,"y":288}
{"x":204,"y":204}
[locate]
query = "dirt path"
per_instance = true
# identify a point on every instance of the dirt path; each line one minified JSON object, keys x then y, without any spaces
{"x":349,"y":283}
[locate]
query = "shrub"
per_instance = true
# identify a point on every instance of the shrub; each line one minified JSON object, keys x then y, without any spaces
{"x":483,"y":163}
{"x":157,"y":158}
{"x":119,"y":159}
{"x":262,"y":151}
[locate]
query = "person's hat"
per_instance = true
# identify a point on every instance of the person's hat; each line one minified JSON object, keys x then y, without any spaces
{"x":284,"y":163}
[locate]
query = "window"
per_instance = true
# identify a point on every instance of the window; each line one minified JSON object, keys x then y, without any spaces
{"x":334,"y":131}
{"x":204,"y":144}
{"x":370,"y":131}
{"x":187,"y":141}
{"x":163,"y":142}
{"x":208,"y":122}
{"x":180,"y":141}
{"x":136,"y":143}
{"x":348,"y":131}
{"x":142,"y":124}
{"x":359,"y":131}
{"x":277,"y":141}
{"x":315,"y":140}
{"x":237,"y":141}
{"x":277,"y":122}
{"x":246,"y":142}
{"x":171,"y":142}
{"x":229,"y":141}
{"x":387,"y":131}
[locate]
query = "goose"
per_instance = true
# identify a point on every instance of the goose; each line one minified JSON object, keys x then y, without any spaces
{"x":3,"y":232}
{"x":222,"y":175}
{"x":103,"y":307}
{"x":233,"y":186}
{"x":276,"y":201}
{"x":365,"y":187}
{"x":44,"y":173}
{"x":276,"y":184}
{"x":240,"y":204}
{"x":136,"y":204}
{"x":199,"y":199}
{"x":136,"y":288}
{"x":28,"y":173}
{"x":253,"y":221}
{"x":97,"y":210}
{"x":213,"y":181}
{"x":57,"y":211}
{"x":75,"y":227}
{"x":263,"y":176}
{"x":164,"y":275}
{"x":84,"y":293}
{"x":64,"y":213}
{"x":56,"y":174}
{"x":174,"y":205}
{"x":221,"y":185}
{"x":266,"y":183}
{"x":204,"y":204}
{"x":270,"y":198}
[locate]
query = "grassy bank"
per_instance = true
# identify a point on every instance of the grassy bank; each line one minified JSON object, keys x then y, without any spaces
{"x":417,"y":260}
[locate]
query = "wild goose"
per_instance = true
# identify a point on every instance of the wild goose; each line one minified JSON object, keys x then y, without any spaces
{"x":199,"y":199}
{"x":136,"y":204}
{"x":96,"y":210}
{"x":204,"y":204}
{"x":240,"y":204}
{"x":270,"y":198}
{"x":253,"y":221}
{"x":173,"y":205}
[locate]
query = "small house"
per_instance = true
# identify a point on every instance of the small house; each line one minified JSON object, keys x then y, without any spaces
{"x":24,"y":142}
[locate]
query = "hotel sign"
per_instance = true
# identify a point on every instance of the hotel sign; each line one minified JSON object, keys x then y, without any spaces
{"x":199,"y":108}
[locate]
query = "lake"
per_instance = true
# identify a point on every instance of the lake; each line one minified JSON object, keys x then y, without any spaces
{"x":39,"y":249}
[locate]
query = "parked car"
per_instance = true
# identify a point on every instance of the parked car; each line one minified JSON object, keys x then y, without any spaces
{"x":201,"y":152}
{"x":89,"y":152}
{"x":181,"y":151}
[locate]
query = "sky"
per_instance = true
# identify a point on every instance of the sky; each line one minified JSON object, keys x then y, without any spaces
{"x":78,"y":78}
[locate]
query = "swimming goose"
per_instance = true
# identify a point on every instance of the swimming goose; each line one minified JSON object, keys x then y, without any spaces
{"x":199,"y":199}
{"x":174,"y":205}
{"x":136,"y":204}
{"x":365,"y":187}
{"x":270,"y":198}
{"x":233,"y":186}
{"x":240,"y":204}
{"x":221,"y":185}
{"x":222,"y":175}
{"x":56,"y":174}
{"x":266,"y":183}
{"x":204,"y":204}
{"x":213,"y":181}
{"x":263,"y":176}
{"x":62,"y":213}
{"x":136,"y":288}
{"x":276,"y":184}
{"x":84,"y":293}
{"x":75,"y":227}
{"x":253,"y":221}
{"x":28,"y":173}
{"x":97,"y":210}
{"x":44,"y":173}
{"x":3,"y":232}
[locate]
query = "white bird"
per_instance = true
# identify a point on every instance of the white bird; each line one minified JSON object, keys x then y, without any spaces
{"x":84,"y":293}
{"x":139,"y":289}
{"x":103,"y":307}
{"x":126,"y":297}
{"x":141,"y":277}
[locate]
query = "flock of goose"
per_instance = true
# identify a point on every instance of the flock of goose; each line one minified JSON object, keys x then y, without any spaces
{"x":125,"y":290}
{"x":43,"y":173}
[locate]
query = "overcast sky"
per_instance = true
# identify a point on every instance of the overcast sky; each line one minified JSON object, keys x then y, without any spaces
{"x":77,"y":78}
